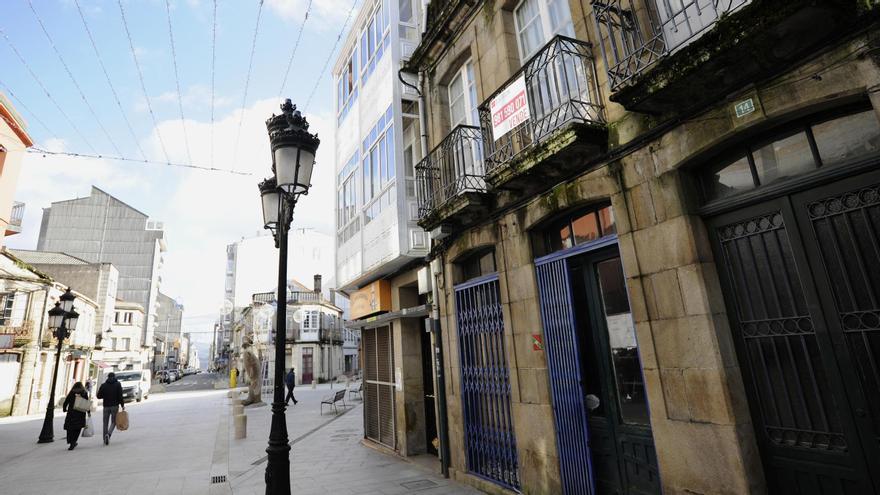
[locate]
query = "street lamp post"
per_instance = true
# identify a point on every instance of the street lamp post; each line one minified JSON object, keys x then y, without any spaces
{"x":62,"y":322}
{"x":293,"y":158}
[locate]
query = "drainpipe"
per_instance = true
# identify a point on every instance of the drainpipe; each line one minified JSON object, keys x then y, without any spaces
{"x":440,"y":393}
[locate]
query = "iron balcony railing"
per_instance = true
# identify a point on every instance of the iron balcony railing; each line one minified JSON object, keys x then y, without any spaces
{"x":638,"y":33}
{"x":454,"y":167}
{"x":297,"y":334}
{"x":292,"y":297}
{"x":560,"y":88}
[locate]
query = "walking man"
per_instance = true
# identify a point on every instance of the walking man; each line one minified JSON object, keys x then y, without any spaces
{"x":111,"y":392}
{"x":290,"y":381}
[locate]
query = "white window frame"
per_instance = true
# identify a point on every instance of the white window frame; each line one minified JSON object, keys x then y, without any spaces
{"x":468,"y":84}
{"x":546,"y":27}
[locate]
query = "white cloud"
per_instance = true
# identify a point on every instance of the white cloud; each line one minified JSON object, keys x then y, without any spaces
{"x":203,"y":211}
{"x":325,"y":14}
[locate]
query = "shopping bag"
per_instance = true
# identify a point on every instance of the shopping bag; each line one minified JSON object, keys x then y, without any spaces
{"x":89,"y":430}
{"x":122,"y":420}
{"x":81,"y":404}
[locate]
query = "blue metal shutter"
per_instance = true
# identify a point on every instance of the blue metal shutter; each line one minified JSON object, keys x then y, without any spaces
{"x":564,"y":361}
{"x":490,"y":441}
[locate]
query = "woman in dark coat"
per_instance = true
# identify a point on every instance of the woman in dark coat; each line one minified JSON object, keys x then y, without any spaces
{"x":75,"y":420}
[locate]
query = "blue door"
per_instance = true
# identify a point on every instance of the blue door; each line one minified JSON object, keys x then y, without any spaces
{"x":490,"y":442}
{"x":564,"y":362}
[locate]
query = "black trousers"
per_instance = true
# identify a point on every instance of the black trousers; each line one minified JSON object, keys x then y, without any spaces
{"x":290,"y":395}
{"x":73,"y":435}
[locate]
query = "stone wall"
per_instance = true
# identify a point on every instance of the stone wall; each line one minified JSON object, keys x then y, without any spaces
{"x":702,"y":428}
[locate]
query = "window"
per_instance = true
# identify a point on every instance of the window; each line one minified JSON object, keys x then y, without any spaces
{"x":347,"y":221}
{"x":311,"y":320}
{"x":7,"y":301}
{"x":346,"y":86}
{"x":378,"y":166}
{"x":374,"y":39}
{"x":537,"y":21}
{"x":477,"y":265}
{"x":574,"y":230}
{"x":463,"y":97}
{"x":122,"y":344}
{"x":801,"y":149}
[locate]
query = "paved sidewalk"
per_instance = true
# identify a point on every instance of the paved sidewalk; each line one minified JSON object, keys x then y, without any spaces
{"x":327,"y":456}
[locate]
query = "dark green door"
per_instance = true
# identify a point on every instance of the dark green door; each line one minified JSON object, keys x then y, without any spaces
{"x":621,"y":442}
{"x":801,"y":276}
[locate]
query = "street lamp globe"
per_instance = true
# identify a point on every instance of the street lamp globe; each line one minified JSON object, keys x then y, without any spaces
{"x":293,"y":149}
{"x":56,"y":316}
{"x":72,"y":319}
{"x":67,"y":300}
{"x":271,"y":197}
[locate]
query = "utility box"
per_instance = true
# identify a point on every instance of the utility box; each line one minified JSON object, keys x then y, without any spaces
{"x":425,"y":277}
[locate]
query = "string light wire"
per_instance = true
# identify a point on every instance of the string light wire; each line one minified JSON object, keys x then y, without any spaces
{"x":109,"y":81}
{"x":247,"y":82}
{"x":177,"y":80}
{"x":293,"y":52}
{"x":330,"y":56}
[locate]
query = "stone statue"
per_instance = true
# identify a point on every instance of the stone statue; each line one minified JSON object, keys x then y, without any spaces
{"x":252,"y":368}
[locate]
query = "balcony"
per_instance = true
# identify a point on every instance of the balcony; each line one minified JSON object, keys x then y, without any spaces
{"x":15,"y":217}
{"x":21,"y":334}
{"x":325,"y":335}
{"x":667,"y":56}
{"x":292,"y":297}
{"x":546,"y":120}
{"x":449,"y":180}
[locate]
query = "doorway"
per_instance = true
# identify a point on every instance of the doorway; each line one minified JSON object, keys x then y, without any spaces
{"x":801,"y":277}
{"x":308,"y":365}
{"x":603,"y":431}
{"x":431,"y":439}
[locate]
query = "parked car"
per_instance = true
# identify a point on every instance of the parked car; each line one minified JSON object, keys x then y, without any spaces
{"x":135,"y":384}
{"x":173,"y":375}
{"x":162,"y":376}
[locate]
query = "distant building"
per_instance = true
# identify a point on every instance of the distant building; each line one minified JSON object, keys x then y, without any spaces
{"x":169,"y":328}
{"x":121,"y":348}
{"x":315,"y":332}
{"x":101,"y":228}
{"x":14,"y":141}
{"x":252,"y":267}
{"x":27,"y":346}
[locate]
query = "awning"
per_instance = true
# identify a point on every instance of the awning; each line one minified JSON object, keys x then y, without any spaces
{"x":385,"y":318}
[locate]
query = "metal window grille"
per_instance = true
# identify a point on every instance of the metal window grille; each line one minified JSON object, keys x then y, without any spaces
{"x":454,"y":167}
{"x":560,"y":83}
{"x":638,"y":34}
{"x":490,"y":441}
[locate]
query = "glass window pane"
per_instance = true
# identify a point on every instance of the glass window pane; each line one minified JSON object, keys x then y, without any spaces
{"x":565,"y":237}
{"x":784,"y":158}
{"x":374,"y":163}
{"x":606,"y":218}
{"x":730,"y":179}
{"x":622,"y":340}
{"x":586,"y":228}
{"x":531,"y":33}
{"x":392,"y":163}
{"x":406,"y":10}
{"x":847,"y":137}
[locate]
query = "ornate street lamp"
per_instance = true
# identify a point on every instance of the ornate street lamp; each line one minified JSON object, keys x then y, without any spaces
{"x":293,"y":159}
{"x":62,"y":322}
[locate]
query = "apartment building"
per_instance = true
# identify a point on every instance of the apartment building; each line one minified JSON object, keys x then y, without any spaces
{"x":379,"y":244}
{"x":100,"y":228}
{"x":654,"y":226}
{"x":14,"y":142}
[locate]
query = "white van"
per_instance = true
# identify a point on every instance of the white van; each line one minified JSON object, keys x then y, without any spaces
{"x":135,"y":384}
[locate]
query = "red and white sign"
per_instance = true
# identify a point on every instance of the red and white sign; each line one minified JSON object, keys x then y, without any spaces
{"x":510,"y":108}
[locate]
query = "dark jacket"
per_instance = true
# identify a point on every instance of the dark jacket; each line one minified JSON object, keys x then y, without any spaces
{"x":290,"y":379}
{"x":111,"y":392}
{"x":74,"y":419}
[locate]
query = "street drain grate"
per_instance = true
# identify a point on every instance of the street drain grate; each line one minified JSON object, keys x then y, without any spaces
{"x":418,"y":484}
{"x":218,"y":479}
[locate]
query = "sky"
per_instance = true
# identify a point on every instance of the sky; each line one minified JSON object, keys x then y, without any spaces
{"x":203,"y":211}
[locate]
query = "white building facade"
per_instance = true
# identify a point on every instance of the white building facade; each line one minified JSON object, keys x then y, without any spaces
{"x":377,"y":144}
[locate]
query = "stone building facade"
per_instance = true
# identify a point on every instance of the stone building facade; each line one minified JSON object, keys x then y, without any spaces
{"x":659,"y":251}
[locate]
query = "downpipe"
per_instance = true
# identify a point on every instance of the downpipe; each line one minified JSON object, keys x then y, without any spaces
{"x":436,"y":268}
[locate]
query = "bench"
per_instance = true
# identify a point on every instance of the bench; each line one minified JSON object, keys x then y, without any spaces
{"x":331,"y":400}
{"x":357,"y":389}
